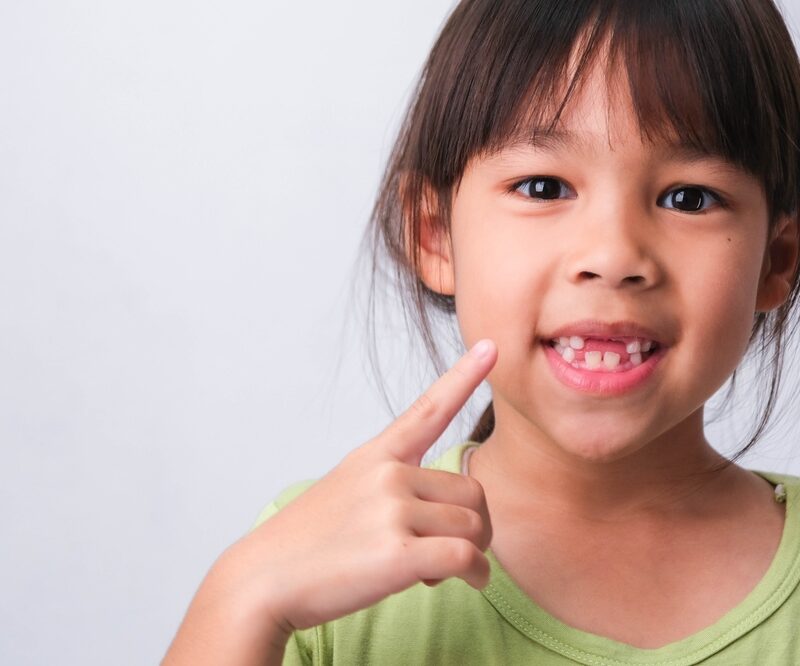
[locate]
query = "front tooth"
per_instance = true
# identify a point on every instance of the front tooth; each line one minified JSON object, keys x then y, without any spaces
{"x":611,"y":360}
{"x":647,"y":346}
{"x":564,"y":342}
{"x":636,"y":359}
{"x":593,"y":359}
{"x":576,"y":342}
{"x":634,"y":347}
{"x":568,"y":354}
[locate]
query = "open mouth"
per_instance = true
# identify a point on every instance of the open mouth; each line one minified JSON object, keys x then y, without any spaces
{"x":604,"y":355}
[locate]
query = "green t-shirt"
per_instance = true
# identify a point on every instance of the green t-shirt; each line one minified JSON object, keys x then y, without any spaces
{"x":456,"y":624}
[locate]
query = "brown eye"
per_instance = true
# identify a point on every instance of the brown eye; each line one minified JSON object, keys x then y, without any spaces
{"x":542,"y":188}
{"x":691,"y":199}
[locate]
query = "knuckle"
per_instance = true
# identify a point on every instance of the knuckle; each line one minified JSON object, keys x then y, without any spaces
{"x":477,"y":496}
{"x":397,"y":513}
{"x":462,"y":553}
{"x":459,"y":370}
{"x":424,"y":407}
{"x":474,"y":525}
{"x":389,"y":474}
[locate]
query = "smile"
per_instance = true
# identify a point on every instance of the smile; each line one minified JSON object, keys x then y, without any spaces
{"x":603,"y":366}
{"x":604,"y":355}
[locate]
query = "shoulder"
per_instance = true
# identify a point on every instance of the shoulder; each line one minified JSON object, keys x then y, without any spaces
{"x":786,"y":485}
{"x":777,"y":477}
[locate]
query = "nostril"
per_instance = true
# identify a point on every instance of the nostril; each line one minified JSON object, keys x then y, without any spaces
{"x":628,"y":279}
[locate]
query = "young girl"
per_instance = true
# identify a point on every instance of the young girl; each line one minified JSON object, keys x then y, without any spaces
{"x":604,"y":193}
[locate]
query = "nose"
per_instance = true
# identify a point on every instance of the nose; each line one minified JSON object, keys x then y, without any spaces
{"x":613,"y":248}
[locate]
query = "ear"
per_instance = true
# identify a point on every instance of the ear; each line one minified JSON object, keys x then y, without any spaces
{"x":780,"y":264}
{"x":435,"y":250}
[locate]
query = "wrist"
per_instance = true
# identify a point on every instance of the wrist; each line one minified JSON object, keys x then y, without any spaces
{"x":230,"y":620}
{"x":242,"y":583}
{"x":247,"y":585}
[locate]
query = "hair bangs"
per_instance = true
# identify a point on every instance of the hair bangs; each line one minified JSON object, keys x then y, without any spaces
{"x":689,"y":69}
{"x":699,"y":77}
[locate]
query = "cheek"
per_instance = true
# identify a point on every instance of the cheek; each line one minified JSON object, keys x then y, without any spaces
{"x":723,"y":301}
{"x":499,"y":303}
{"x":499,"y":292}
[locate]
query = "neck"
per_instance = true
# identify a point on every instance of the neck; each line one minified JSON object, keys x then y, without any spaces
{"x":529,"y":472}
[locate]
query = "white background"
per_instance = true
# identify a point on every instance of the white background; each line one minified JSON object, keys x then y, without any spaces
{"x":183,"y":187}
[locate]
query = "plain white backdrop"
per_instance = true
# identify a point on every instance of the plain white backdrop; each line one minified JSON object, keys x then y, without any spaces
{"x":183,"y":187}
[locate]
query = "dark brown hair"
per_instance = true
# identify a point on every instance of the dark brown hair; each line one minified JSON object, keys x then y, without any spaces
{"x":720,"y":75}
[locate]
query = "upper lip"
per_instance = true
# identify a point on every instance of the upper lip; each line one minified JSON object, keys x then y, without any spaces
{"x":594,"y":328}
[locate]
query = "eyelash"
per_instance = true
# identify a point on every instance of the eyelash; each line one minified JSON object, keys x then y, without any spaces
{"x":715,"y":198}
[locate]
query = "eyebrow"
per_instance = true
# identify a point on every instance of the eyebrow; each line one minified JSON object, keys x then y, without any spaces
{"x":554,"y":140}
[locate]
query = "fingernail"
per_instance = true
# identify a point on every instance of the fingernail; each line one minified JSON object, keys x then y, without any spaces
{"x":481,"y":349}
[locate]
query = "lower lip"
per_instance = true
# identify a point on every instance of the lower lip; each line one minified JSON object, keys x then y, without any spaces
{"x":601,"y":383}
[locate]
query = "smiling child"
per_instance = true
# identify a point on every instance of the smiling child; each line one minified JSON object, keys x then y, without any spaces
{"x":604,"y":196}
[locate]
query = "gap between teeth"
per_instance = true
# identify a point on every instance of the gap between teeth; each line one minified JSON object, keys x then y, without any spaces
{"x":566,"y":346}
{"x":577,"y":342}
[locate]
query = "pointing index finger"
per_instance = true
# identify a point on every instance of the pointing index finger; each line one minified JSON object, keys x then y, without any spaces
{"x":416,"y":429}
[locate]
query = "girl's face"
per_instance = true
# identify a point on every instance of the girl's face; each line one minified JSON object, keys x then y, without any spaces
{"x":589,"y":235}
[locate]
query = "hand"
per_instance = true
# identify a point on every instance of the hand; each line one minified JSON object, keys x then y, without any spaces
{"x":377,"y":523}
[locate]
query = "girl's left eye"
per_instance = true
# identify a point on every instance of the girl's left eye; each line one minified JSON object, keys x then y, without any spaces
{"x":691,"y":199}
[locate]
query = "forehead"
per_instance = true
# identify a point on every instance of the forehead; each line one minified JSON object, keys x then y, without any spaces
{"x":598,"y":115}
